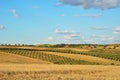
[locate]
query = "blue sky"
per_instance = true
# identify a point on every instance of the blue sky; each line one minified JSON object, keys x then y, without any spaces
{"x":59,"y":21}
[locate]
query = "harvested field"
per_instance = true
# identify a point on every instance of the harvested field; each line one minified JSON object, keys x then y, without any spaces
{"x":58,"y":72}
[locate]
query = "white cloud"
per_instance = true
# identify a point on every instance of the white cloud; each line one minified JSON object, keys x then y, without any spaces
{"x":35,"y":7}
{"x":2,"y":27}
{"x":88,"y":15}
{"x":14,"y":12}
{"x":106,"y":38}
{"x":63,"y":15}
{"x":87,"y":4}
{"x":57,"y":31}
{"x":65,"y":32}
{"x":71,"y":37}
{"x":99,"y":28}
{"x":117,"y":30}
{"x":57,"y":4}
{"x":50,"y":38}
{"x":68,"y":35}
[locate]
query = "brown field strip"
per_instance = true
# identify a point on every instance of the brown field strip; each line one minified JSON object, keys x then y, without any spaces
{"x":39,"y":48}
{"x":76,"y":49}
{"x":85,"y":58}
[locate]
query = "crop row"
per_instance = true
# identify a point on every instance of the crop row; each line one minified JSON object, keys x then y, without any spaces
{"x":115,"y":56}
{"x":46,"y":57}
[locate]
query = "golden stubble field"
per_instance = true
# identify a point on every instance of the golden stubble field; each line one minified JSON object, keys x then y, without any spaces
{"x":58,"y":72}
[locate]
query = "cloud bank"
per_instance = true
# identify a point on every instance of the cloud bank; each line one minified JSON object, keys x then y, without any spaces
{"x":87,"y":4}
{"x":70,"y":36}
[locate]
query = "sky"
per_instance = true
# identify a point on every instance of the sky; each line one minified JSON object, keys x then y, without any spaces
{"x":59,"y":21}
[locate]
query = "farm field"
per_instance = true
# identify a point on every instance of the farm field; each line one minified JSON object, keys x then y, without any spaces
{"x":87,"y":58}
{"x":56,"y":59}
{"x":63,"y":55}
{"x":34,"y":63}
{"x":58,"y":72}
{"x":17,"y":59}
